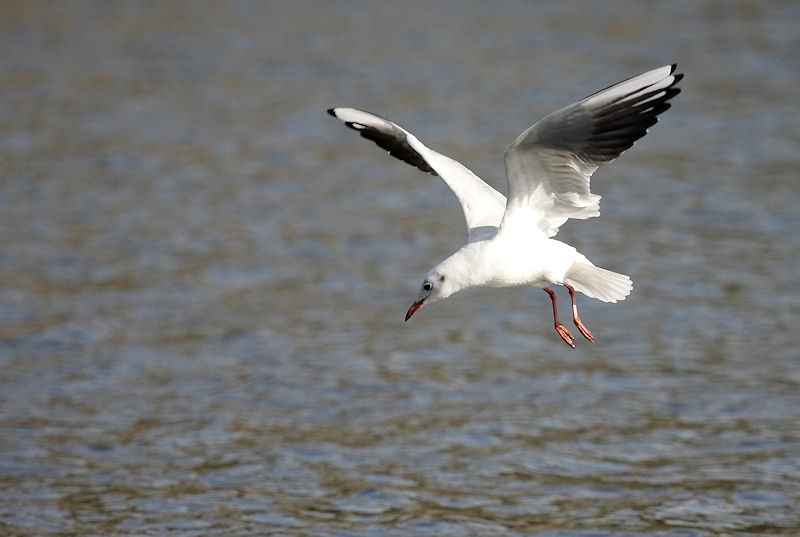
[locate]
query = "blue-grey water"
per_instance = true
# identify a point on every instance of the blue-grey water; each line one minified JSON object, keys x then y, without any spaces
{"x":203,"y":276}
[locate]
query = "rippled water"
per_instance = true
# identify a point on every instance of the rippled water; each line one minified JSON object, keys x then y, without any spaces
{"x":203,"y":276}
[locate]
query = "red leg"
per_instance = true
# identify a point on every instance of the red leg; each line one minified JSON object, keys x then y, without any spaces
{"x":585,"y":331}
{"x":568,"y":338}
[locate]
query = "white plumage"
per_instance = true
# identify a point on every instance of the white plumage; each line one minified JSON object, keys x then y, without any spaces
{"x":549,"y":167}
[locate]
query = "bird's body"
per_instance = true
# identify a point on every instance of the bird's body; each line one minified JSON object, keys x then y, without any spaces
{"x":548,"y":167}
{"x":500,"y":262}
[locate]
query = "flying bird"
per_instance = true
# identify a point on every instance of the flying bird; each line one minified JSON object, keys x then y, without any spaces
{"x":549,"y":166}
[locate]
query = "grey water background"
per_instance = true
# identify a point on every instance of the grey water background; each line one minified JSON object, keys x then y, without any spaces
{"x":203,"y":276}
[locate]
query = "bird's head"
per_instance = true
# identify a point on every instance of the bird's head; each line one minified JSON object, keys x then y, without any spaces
{"x":435,"y":286}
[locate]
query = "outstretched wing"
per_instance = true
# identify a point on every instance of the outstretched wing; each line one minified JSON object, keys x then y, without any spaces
{"x":550,"y":164}
{"x":483,"y":206}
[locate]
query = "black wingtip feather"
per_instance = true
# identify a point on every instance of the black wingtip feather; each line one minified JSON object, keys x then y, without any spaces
{"x":627,"y":119}
{"x":390,"y":137}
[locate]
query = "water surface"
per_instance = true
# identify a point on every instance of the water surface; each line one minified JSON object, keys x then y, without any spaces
{"x":203,"y":276}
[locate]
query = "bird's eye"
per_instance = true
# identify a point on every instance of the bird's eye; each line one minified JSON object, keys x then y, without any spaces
{"x":427,"y":285}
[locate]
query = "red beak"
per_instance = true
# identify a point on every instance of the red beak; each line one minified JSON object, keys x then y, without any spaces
{"x":414,"y":308}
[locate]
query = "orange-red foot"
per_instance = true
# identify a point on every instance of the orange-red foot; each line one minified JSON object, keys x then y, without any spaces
{"x":585,"y":331}
{"x":568,"y":338}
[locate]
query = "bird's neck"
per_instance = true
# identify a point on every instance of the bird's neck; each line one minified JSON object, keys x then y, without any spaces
{"x":467,"y":267}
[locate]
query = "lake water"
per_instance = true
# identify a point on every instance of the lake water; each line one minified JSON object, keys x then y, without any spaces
{"x":203,"y":276}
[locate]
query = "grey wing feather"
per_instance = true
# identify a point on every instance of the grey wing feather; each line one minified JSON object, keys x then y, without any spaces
{"x":549,"y":166}
{"x":482,"y":205}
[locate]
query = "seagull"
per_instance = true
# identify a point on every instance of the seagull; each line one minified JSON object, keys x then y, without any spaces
{"x":549,"y":166}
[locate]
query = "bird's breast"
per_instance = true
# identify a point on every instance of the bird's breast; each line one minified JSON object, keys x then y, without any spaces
{"x":531,"y":262}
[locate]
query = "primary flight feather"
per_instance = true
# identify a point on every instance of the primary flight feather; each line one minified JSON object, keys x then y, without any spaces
{"x":549,"y":167}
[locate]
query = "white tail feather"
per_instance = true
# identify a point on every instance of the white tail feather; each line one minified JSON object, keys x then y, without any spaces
{"x":598,"y":283}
